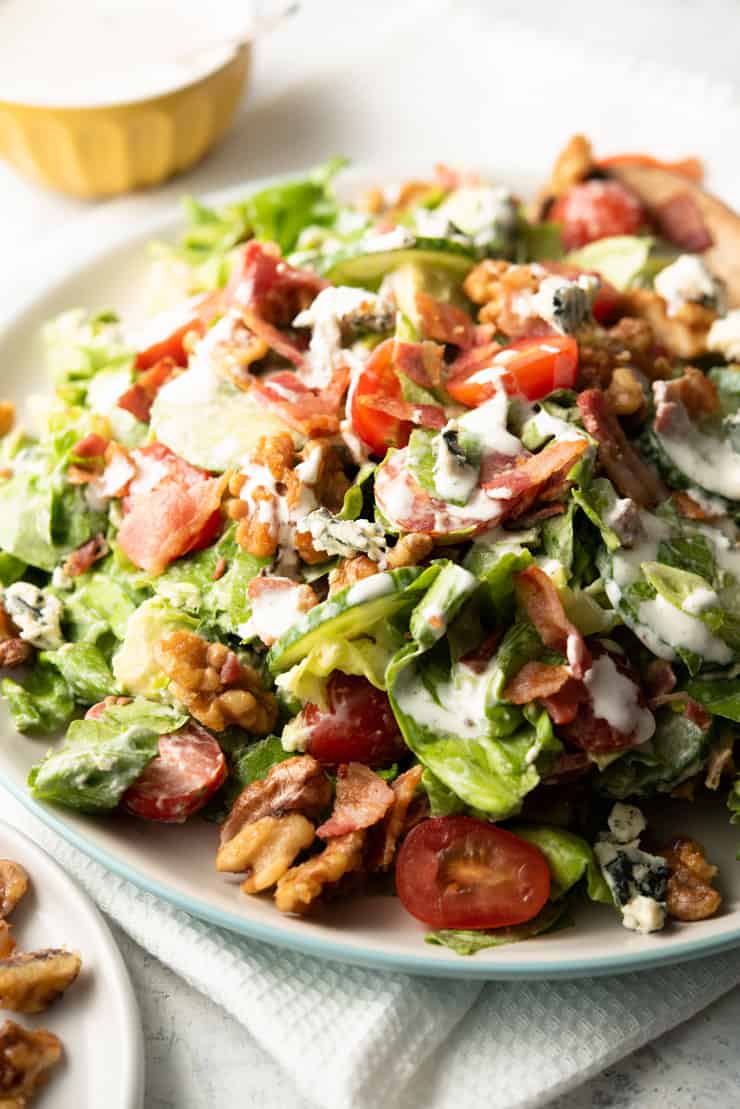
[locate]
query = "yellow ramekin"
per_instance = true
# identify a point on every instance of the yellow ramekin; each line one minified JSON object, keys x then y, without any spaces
{"x":102,"y":151}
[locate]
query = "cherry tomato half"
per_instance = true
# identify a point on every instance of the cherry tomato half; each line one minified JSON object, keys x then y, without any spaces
{"x":188,"y":770}
{"x":377,"y":429}
{"x":459,"y":872}
{"x":533,"y":366}
{"x":359,"y":725}
{"x":595,"y":210}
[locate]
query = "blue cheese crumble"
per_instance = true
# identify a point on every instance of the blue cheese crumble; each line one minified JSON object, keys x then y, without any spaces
{"x":345,"y":537}
{"x":565,"y":304}
{"x":36,"y":614}
{"x":637,"y":880}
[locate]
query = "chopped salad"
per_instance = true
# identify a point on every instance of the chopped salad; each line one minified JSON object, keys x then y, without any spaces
{"x":401,"y":543}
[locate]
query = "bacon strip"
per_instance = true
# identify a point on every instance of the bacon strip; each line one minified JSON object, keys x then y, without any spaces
{"x":92,"y":446}
{"x":310,"y":413}
{"x":680,"y":221}
{"x":383,"y":849}
{"x":535,"y":680}
{"x":630,"y":474}
{"x":362,"y":800}
{"x":85,"y":556}
{"x":138,"y":400}
{"x":446,"y":323}
{"x":185,"y":511}
{"x":424,"y":415}
{"x":539,"y":598}
{"x":537,"y":476}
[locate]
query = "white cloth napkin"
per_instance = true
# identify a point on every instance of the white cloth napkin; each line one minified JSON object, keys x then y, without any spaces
{"x":359,"y":1039}
{"x":425,"y":81}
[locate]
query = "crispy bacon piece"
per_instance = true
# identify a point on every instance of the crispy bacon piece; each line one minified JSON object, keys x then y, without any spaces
{"x":680,"y":221}
{"x":569,"y":766}
{"x":660,"y":679}
{"x":540,"y":476}
{"x":535,"y":680}
{"x":422,"y":362}
{"x":630,"y":474}
{"x":85,"y":556}
{"x":539,"y":598}
{"x":296,"y":785}
{"x":594,"y":733}
{"x":562,"y":707}
{"x":423,"y":415}
{"x":310,"y":413}
{"x":138,"y":400}
{"x":383,"y":848}
{"x":446,"y":323}
{"x":118,"y":472}
{"x":362,"y":800}
{"x":271,"y":287}
{"x":693,"y":389}
{"x":92,"y":446}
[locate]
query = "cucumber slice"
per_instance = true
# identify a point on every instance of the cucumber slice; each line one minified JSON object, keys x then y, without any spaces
{"x":357,"y":266}
{"x":351,"y":613}
{"x":209,"y":422}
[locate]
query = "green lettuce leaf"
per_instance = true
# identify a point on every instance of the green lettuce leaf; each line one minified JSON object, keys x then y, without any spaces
{"x":676,"y":751}
{"x":569,"y":858}
{"x":307,"y":680}
{"x":85,"y":670}
{"x":99,"y":759}
{"x":280,"y":212}
{"x":719,"y":694}
{"x":42,"y":704}
{"x":554,"y":915}
{"x":248,"y":763}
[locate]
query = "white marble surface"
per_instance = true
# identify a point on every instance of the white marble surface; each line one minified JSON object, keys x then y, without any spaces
{"x":197,"y":1057}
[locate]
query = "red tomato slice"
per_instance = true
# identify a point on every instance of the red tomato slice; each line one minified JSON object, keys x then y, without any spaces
{"x":533,"y":366}
{"x":359,"y":725}
{"x":378,"y":429}
{"x":164,"y":337}
{"x":459,"y":872}
{"x":596,"y":210}
{"x":188,"y":770}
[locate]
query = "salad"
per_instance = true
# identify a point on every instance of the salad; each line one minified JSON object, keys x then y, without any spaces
{"x":401,"y":544}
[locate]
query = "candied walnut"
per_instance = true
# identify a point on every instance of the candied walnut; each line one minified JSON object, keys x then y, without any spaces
{"x":14,"y":651}
{"x":265,"y":849}
{"x":7,"y":943}
{"x":215,"y":687}
{"x":30,"y":982}
{"x":322,"y":467}
{"x":13,"y":886}
{"x":410,"y":550}
{"x":302,"y":885}
{"x":684,"y":333}
{"x":26,"y":1057}
{"x":394,"y":825}
{"x":693,"y":390}
{"x":349,"y":571}
{"x":7,"y":416}
{"x":690,"y":894}
{"x":295,"y":785}
{"x":625,"y":392}
{"x":630,"y":342}
{"x":496,"y":285}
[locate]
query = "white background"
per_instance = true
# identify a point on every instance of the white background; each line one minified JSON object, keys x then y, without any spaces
{"x":408,"y":84}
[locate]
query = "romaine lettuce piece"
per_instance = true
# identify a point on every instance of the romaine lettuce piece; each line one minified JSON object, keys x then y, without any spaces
{"x":718,"y":693}
{"x":99,"y":759}
{"x":363,"y":657}
{"x":12,"y":569}
{"x":569,"y":858}
{"x":98,"y":605}
{"x":134,"y":667}
{"x":553,"y":916}
{"x":42,"y":704}
{"x":677,"y":750}
{"x":85,"y":670}
{"x":80,"y":346}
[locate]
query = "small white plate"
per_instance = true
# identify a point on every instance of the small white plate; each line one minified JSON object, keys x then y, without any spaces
{"x":98,"y":1019}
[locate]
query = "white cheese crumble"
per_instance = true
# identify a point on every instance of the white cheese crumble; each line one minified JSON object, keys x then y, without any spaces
{"x":36,"y":614}
{"x":345,"y":537}
{"x":626,"y":822}
{"x":724,"y":336}
{"x":637,"y":880}
{"x":326,"y":316}
{"x":688,"y":281}
{"x":643,"y":914}
{"x":565,"y":304}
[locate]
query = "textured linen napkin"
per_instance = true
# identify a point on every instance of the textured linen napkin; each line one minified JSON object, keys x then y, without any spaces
{"x":477,"y":91}
{"x":358,"y":1039}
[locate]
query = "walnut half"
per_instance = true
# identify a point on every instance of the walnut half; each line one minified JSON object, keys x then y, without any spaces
{"x":213,"y":685}
{"x":265,"y":849}
{"x":690,"y":895}
{"x":30,"y":982}
{"x":13,"y":886}
{"x":26,"y":1057}
{"x":300,"y":887}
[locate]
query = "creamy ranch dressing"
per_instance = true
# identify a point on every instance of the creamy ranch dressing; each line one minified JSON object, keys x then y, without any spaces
{"x":89,"y":53}
{"x":615,"y":700}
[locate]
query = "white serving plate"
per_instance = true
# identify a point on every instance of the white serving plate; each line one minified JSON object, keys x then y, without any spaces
{"x":101,"y":263}
{"x":97,"y":1019}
